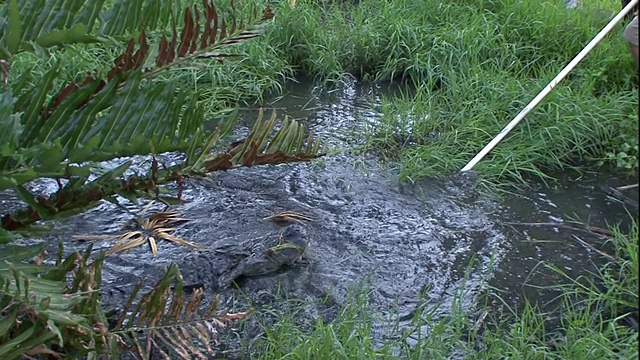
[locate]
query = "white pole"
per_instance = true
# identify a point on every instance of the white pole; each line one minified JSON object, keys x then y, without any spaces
{"x":550,"y":86}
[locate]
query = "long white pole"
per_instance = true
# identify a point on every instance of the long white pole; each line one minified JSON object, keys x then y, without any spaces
{"x":550,"y":86}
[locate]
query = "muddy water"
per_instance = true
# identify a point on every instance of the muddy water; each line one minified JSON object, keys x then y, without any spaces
{"x":403,"y":240}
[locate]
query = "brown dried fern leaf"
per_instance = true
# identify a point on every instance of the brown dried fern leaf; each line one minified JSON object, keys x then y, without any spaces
{"x":171,"y":324}
{"x":289,"y":217}
{"x":157,"y":226}
{"x":203,"y":33}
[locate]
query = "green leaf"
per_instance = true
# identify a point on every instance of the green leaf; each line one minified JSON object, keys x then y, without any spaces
{"x":32,"y":102}
{"x":28,"y":197}
{"x":10,"y":126}
{"x":7,"y":236}
{"x":25,"y":345}
{"x":51,"y":325}
{"x":113,"y":174}
{"x":58,"y":125}
{"x":51,"y":160}
{"x":19,"y":253}
{"x":8,"y":320}
{"x":14,"y":343}
{"x":81,"y":153}
{"x":15,"y":27}
{"x":125,"y":16}
{"x":77,"y":34}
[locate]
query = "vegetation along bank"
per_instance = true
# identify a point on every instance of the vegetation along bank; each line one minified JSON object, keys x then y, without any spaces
{"x":467,"y":68}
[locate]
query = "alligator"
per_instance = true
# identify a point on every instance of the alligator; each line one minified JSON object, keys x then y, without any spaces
{"x":222,"y":266}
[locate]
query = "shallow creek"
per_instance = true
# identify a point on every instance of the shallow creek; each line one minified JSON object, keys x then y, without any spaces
{"x":403,"y":240}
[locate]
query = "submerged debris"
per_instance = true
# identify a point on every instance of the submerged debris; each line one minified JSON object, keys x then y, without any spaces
{"x":289,"y":217}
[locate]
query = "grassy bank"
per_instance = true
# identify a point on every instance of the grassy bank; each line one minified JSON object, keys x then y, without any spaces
{"x":475,"y":65}
{"x":471,"y":67}
{"x":591,"y":325}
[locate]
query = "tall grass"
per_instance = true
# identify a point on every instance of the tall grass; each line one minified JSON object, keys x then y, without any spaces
{"x":590,"y":311}
{"x":453,"y":124}
{"x":475,"y":65}
{"x":599,"y":313}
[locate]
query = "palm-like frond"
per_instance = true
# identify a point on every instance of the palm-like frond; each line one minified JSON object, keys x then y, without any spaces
{"x":119,"y":116}
{"x":63,"y":135}
{"x":39,"y":309}
{"x":169,"y":323}
{"x":289,"y":144}
{"x":44,"y":314}
{"x":48,"y":23}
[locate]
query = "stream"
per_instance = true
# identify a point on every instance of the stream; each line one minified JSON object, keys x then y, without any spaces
{"x":409,"y":243}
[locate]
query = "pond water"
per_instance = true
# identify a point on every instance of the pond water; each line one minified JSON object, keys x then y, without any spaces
{"x":410,"y":243}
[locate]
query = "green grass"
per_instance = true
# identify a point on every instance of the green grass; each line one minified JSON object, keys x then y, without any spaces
{"x":471,"y":67}
{"x":589,"y":326}
{"x":453,"y":124}
{"x":475,"y":65}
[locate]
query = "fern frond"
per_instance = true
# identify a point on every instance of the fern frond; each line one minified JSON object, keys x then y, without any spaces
{"x":264,"y":146}
{"x":171,"y":323}
{"x":58,"y":22}
{"x":40,"y":309}
{"x":261,"y":147}
{"x":127,"y":16}
{"x":103,"y":119}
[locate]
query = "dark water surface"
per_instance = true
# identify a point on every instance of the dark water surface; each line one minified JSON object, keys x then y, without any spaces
{"x":403,"y":239}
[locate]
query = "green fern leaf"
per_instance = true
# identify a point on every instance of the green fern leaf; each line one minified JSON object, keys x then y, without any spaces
{"x":79,"y":33}
{"x":126,"y":16}
{"x":50,"y":311}
{"x":58,"y":22}
{"x":10,"y":124}
{"x":14,"y":31}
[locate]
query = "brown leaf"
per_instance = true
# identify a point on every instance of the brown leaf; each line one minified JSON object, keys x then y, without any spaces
{"x":64,"y":93}
{"x":208,"y":17}
{"x":220,"y":162}
{"x":163,"y":54}
{"x":141,"y":54}
{"x":42,"y":350}
{"x":267,"y":14}
{"x":126,"y":246}
{"x":123,"y":62}
{"x":233,"y":20}
{"x":153,"y":246}
{"x":4,"y":67}
{"x":251,"y":155}
{"x":203,"y":336}
{"x":171,"y":55}
{"x":9,"y":223}
{"x":214,"y":23}
{"x":187,"y":34}
{"x":223,"y":29}
{"x":196,"y":31}
{"x":228,"y":317}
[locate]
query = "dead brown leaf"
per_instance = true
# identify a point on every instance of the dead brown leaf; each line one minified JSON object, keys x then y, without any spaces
{"x":290,"y":217}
